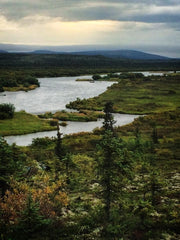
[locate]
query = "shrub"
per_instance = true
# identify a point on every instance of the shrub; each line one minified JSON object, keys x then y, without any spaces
{"x":53,"y":122}
{"x":31,"y":80}
{"x":6,"y":111}
{"x":96,"y":77}
{"x":63,"y":124}
{"x":41,"y":142}
{"x":1,"y":88}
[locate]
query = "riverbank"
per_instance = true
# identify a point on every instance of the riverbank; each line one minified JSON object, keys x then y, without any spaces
{"x":24,"y":123}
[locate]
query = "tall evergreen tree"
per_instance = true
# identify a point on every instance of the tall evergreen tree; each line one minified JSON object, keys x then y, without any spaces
{"x":109,"y":122}
{"x":114,"y":168}
{"x":59,"y":151}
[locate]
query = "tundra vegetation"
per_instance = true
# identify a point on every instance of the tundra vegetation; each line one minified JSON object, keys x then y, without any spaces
{"x":113,"y":183}
{"x":66,"y":187}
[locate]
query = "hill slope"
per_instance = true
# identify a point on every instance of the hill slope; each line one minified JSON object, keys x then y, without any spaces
{"x":128,"y":54}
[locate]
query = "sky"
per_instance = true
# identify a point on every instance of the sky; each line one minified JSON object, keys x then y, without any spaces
{"x":150,"y":25}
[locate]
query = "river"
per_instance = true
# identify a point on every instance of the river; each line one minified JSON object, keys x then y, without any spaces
{"x":72,"y":127}
{"x":53,"y":95}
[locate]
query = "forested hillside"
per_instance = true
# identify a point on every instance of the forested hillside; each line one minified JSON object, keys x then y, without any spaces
{"x":79,"y":61}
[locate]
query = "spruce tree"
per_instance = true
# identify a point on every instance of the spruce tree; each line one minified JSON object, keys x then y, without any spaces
{"x":114,"y":170}
{"x":109,"y":122}
{"x":59,"y":151}
{"x":106,"y":164}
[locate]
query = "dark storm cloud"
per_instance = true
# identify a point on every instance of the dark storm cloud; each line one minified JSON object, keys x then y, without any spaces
{"x":151,"y":11}
{"x":121,"y":14}
{"x":161,"y":18}
{"x":76,"y":9}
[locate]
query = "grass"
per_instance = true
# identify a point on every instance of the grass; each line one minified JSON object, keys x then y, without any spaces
{"x":24,"y":123}
{"x":140,"y":96}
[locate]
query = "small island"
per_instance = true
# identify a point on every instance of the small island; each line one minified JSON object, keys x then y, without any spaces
{"x":81,"y":116}
{"x":113,"y":77}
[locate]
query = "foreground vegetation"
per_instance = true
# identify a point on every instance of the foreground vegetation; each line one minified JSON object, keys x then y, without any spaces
{"x":66,"y":189}
{"x":24,"y":123}
{"x":138,"y":95}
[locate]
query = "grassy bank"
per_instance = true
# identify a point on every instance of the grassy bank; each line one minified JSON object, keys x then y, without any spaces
{"x":24,"y":123}
{"x":142,"y":95}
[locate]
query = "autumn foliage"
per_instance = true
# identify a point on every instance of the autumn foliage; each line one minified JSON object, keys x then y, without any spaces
{"x":46,"y":195}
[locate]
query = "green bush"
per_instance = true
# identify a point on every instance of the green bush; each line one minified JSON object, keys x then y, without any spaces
{"x":6,"y":111}
{"x":96,"y":77}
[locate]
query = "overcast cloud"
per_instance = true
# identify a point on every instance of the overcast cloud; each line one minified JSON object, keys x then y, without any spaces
{"x":90,"y":22}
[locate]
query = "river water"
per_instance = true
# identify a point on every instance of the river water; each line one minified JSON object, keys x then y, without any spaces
{"x":53,"y":95}
{"x":72,"y":127}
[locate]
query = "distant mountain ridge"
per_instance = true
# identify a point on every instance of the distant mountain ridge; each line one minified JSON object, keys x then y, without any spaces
{"x":159,"y":49}
{"x":127,"y":54}
{"x":46,"y":52}
{"x":3,"y":51}
{"x":120,"y":54}
{"x":116,"y":54}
